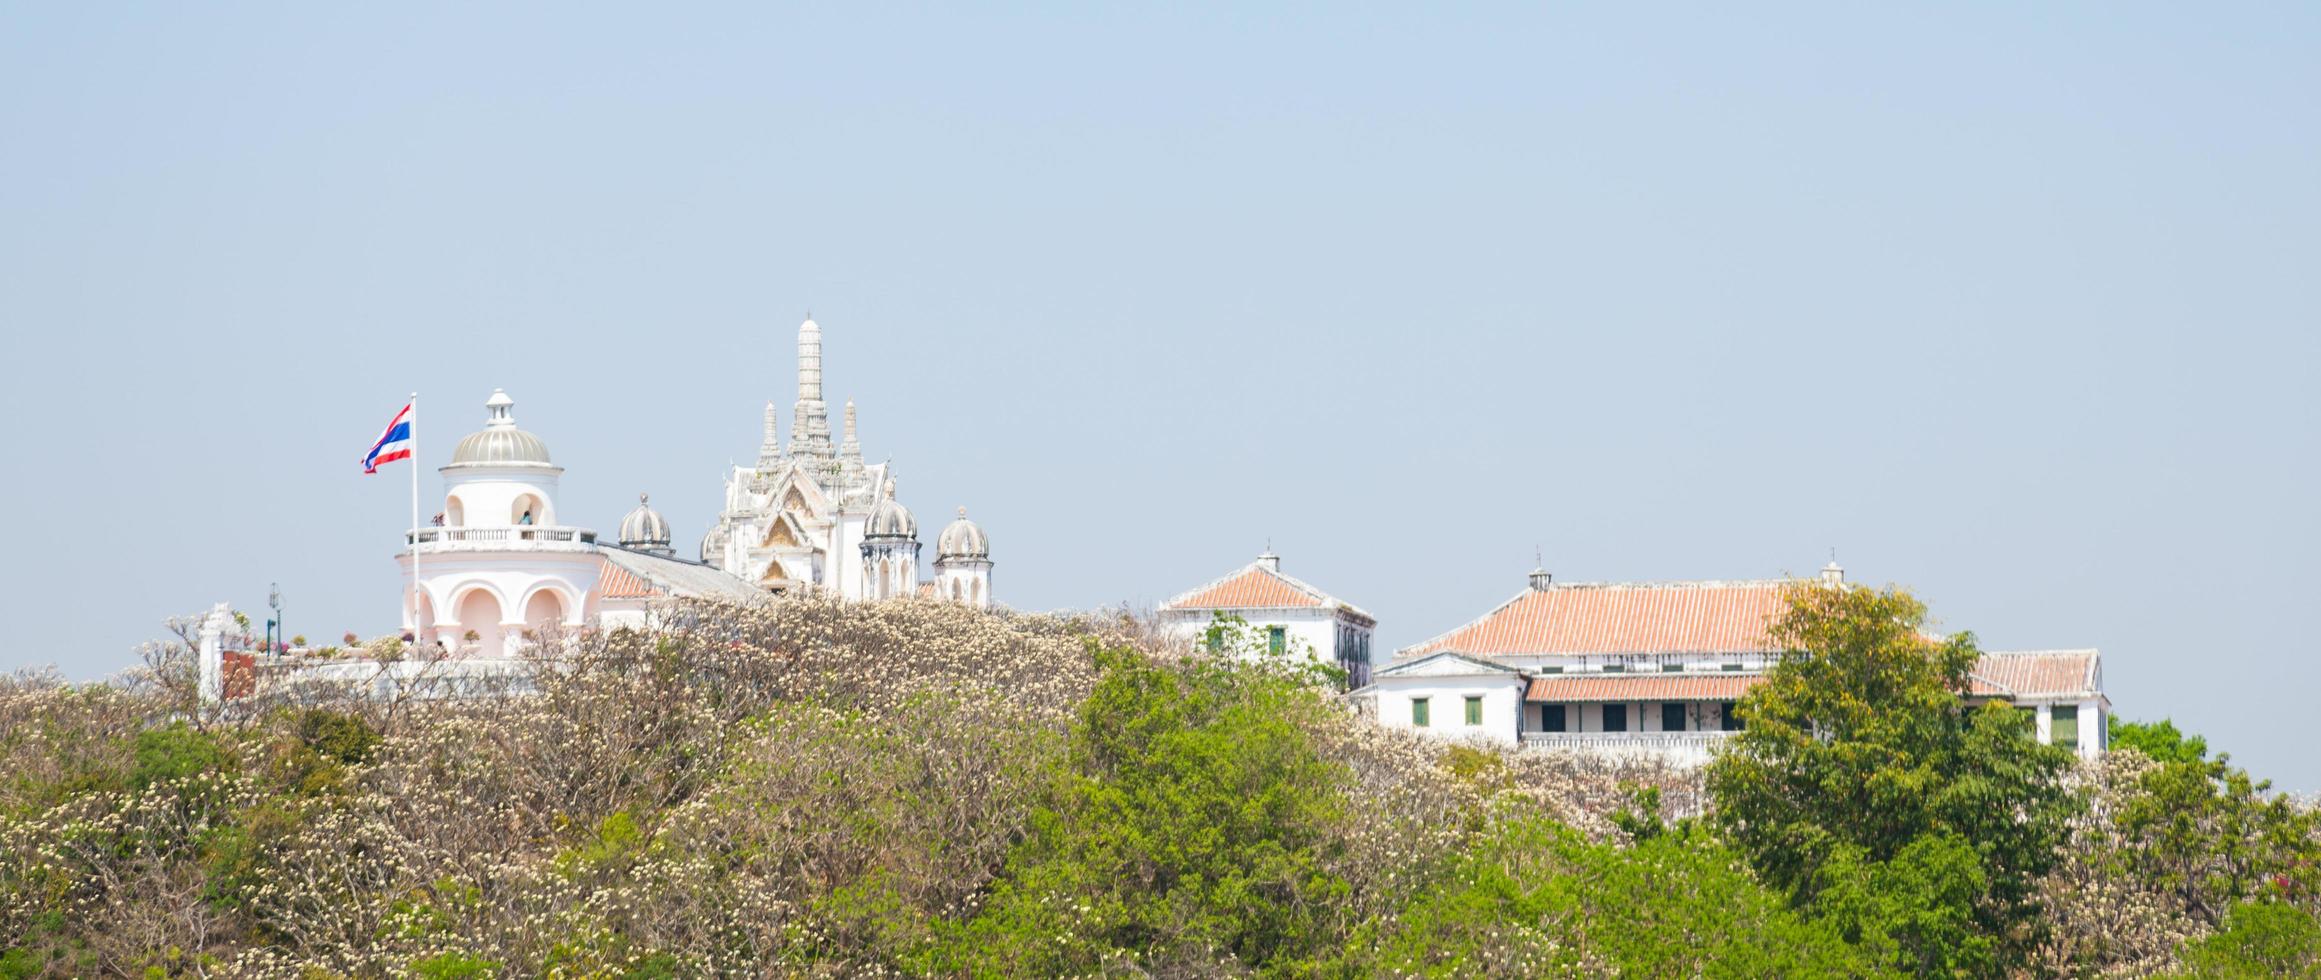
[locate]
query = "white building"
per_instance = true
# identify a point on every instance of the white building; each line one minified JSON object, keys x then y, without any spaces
{"x":1290,"y":614}
{"x":502,"y":564}
{"x":815,"y":515}
{"x":1656,"y":668}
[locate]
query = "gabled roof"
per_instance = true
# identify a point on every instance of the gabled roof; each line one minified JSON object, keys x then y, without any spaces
{"x":2038,"y":674}
{"x":1443,"y":665}
{"x":636,"y":575}
{"x":1258,"y":585}
{"x":1604,"y":618}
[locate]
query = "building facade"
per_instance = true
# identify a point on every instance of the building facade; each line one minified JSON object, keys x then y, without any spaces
{"x":1656,"y":668}
{"x":814,"y":515}
{"x":1291,"y":615}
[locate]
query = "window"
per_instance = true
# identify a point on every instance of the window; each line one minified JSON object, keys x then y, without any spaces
{"x":1672,"y":668}
{"x":1551,"y":717}
{"x":1615,"y":717}
{"x":1474,"y":710}
{"x":1672,"y":716}
{"x":1732,"y":667}
{"x":1276,"y":639}
{"x":1728,"y":719}
{"x":1615,"y":668}
{"x":1551,"y":669}
{"x":2063,"y":723}
{"x":1418,"y":712}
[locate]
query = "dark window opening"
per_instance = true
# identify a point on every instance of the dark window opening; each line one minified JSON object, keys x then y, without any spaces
{"x":1672,"y":717}
{"x":1615,"y":717}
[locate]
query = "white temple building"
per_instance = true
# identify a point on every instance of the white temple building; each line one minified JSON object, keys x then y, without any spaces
{"x":814,"y":515}
{"x":503,"y":565}
{"x":1656,"y":668}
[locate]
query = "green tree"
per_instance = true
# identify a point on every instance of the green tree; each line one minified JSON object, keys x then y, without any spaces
{"x":2258,"y":939}
{"x":1860,"y":750}
{"x":1530,"y":897}
{"x":1192,"y":826}
{"x":2206,"y":831}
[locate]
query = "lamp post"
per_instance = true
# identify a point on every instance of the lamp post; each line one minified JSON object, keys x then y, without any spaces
{"x":274,"y":602}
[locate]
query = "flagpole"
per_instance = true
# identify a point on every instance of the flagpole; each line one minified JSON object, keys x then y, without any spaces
{"x":414,"y":422}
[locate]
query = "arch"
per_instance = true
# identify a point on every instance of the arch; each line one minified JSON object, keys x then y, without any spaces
{"x":975,"y":592}
{"x":559,"y":611}
{"x":478,"y":610}
{"x":543,"y":612}
{"x":528,"y":503}
{"x":956,"y":593}
{"x":454,"y":511}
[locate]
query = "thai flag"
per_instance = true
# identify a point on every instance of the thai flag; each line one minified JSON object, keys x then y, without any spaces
{"x":393,"y":444}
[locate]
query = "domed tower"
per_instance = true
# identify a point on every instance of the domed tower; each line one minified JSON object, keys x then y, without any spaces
{"x":890,"y":549}
{"x":963,"y":563}
{"x":645,"y":530}
{"x":500,"y":564}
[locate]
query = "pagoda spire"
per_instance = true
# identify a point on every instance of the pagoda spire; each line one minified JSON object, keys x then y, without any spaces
{"x":810,"y":421}
{"x":770,"y":450}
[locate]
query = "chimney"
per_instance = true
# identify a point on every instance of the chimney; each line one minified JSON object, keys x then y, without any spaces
{"x":1540,"y":579}
{"x":1269,"y":561}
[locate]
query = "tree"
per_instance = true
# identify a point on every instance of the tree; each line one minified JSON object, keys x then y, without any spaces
{"x":2259,"y":939}
{"x":1860,"y":750}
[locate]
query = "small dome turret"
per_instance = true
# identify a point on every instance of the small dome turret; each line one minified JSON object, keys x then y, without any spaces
{"x":890,"y":519}
{"x":500,"y":443}
{"x":645,"y":529}
{"x":962,"y":539}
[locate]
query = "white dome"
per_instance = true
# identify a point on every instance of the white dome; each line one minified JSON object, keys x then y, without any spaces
{"x":962,"y":539}
{"x":500,"y":443}
{"x":890,"y":519}
{"x":645,"y":529}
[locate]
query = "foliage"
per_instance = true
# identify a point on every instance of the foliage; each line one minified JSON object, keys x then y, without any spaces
{"x":1194,"y":821}
{"x":2259,"y":939}
{"x":1862,"y":774}
{"x":2158,"y":741}
{"x":2170,"y":841}
{"x":1531,"y":897}
{"x":810,"y":787}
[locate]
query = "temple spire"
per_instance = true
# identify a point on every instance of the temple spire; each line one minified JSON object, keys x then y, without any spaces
{"x":770,"y":449}
{"x":810,"y":421}
{"x":851,"y":448}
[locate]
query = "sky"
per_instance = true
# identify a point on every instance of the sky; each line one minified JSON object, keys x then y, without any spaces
{"x":2016,"y":306}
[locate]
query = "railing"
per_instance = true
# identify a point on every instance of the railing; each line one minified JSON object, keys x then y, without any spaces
{"x":494,"y":537}
{"x":1681,"y":746}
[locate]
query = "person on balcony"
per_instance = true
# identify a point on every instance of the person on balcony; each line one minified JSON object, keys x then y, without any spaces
{"x":527,"y":518}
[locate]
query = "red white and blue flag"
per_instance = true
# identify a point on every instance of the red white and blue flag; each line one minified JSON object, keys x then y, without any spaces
{"x":393,"y":444}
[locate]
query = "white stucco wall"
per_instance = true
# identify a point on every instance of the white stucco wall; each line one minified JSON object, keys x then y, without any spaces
{"x":1313,"y":631}
{"x":1502,"y":696}
{"x":487,"y":495}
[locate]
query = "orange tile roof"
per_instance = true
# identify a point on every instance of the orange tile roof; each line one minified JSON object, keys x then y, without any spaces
{"x":1258,"y":587}
{"x":2037,"y":673}
{"x":1642,"y":687}
{"x":620,"y":583}
{"x":1670,"y":617}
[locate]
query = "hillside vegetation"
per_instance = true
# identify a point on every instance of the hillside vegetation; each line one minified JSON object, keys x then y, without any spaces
{"x":914,"y":788}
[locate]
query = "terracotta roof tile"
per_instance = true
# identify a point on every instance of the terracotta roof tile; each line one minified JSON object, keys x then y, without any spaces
{"x":620,"y":583}
{"x":2037,"y":673}
{"x":1642,"y":687}
{"x":1258,"y":587}
{"x":1675,"y":617}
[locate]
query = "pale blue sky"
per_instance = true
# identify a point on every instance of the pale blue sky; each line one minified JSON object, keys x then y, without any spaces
{"x":2016,"y":307}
